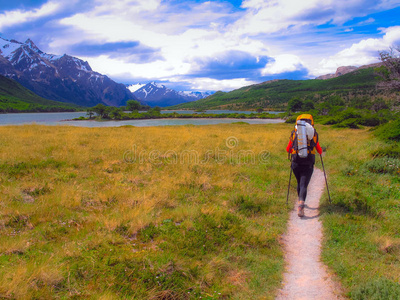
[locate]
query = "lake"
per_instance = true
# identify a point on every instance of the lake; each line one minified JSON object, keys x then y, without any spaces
{"x":59,"y":119}
{"x":247,"y":112}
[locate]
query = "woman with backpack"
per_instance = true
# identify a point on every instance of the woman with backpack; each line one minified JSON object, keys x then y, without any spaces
{"x":303,"y":145}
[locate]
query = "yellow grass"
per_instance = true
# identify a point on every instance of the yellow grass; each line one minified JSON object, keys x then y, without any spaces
{"x":66,"y":190}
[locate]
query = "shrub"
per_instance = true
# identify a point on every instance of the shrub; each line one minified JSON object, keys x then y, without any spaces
{"x":371,"y":120}
{"x":348,"y":123}
{"x":348,"y":118}
{"x":392,"y":151}
{"x":389,"y":131}
{"x":291,"y":119}
{"x":80,"y":118}
{"x":381,"y":289}
{"x":384,"y":165}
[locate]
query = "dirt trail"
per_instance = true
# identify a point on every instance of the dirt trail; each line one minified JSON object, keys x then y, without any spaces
{"x":306,"y":277}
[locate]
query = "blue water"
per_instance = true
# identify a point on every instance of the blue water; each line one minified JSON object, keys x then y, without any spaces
{"x":59,"y":119}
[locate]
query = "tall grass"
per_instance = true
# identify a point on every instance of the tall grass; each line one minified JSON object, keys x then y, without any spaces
{"x":128,"y":213}
{"x":361,"y":226}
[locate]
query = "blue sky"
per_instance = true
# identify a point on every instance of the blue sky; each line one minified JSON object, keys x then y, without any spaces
{"x":207,"y":45}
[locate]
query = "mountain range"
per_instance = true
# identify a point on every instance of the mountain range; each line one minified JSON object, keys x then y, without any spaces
{"x":59,"y":77}
{"x":155,"y":94}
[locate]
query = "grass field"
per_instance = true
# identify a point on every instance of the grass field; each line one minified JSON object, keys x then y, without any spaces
{"x":180,"y":212}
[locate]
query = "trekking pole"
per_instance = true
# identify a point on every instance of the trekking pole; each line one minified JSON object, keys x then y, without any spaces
{"x":326,"y":181}
{"x":290,"y":177}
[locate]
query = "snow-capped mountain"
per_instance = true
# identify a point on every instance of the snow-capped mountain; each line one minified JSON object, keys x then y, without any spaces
{"x":155,"y":94}
{"x":58,"y":77}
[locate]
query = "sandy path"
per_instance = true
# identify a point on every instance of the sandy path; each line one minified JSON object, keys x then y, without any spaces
{"x":306,"y":277}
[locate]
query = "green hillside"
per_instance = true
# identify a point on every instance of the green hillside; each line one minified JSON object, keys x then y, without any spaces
{"x":275,"y":94}
{"x":15,"y":98}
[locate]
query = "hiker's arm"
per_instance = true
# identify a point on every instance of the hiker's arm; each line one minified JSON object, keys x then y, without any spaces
{"x":319,"y":149}
{"x":289,"y":146}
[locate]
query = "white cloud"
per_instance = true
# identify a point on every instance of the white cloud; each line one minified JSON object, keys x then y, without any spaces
{"x":283,"y":63}
{"x":272,"y":16}
{"x":14,"y":17}
{"x":178,"y":49}
{"x":126,"y":6}
{"x":134,"y":87}
{"x":368,"y":21}
{"x":117,"y":68}
{"x":209,"y":84}
{"x":361,"y":53}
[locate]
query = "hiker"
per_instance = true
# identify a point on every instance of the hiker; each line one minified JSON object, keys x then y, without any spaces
{"x":302,"y":146}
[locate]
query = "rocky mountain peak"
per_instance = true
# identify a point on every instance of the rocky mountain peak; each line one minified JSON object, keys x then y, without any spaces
{"x":63,"y":78}
{"x":156,"y":94}
{"x":345,"y":70}
{"x":339,"y":72}
{"x":32,"y":45}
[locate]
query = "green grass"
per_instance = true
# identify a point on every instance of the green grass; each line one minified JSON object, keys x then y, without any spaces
{"x":15,"y":98}
{"x":362,"y":241}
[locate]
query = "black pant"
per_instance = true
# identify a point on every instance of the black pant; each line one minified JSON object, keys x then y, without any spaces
{"x":303,"y":175}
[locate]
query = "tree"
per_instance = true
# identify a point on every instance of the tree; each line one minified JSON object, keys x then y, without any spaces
{"x":132,"y":105}
{"x":295,"y":104}
{"x":390,"y":69}
{"x":100,"y":109}
{"x":115,"y":113}
{"x":335,"y":101}
{"x":90,"y":112}
{"x":308,"y":105}
{"x":156,"y":109}
{"x":259,"y":110}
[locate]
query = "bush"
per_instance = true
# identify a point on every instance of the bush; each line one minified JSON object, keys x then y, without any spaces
{"x":291,"y":119}
{"x":392,"y":151}
{"x":348,"y":123}
{"x":348,"y":118}
{"x":389,"y":131}
{"x":371,"y":120}
{"x":381,"y":289}
{"x":384,"y":165}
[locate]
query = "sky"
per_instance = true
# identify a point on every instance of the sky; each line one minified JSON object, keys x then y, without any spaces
{"x":207,"y":45}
